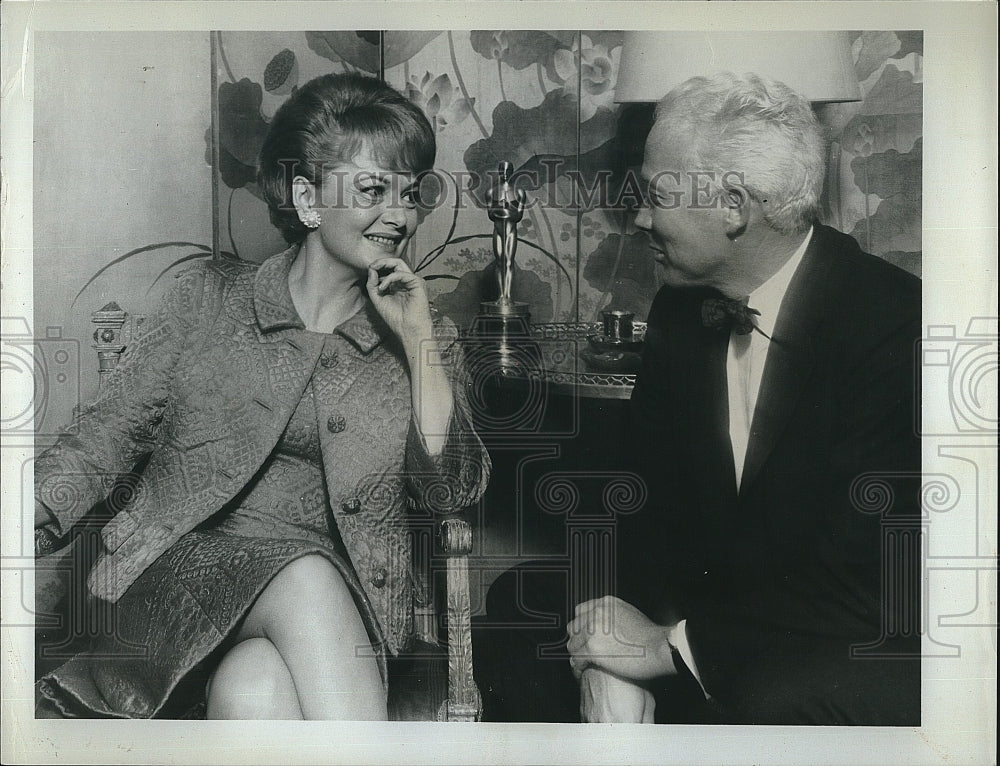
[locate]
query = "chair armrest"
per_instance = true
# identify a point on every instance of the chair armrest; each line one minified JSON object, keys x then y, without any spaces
{"x":109,"y":337}
{"x":464,"y":702}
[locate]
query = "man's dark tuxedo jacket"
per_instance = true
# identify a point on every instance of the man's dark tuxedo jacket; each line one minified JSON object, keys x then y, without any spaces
{"x":820,"y":543}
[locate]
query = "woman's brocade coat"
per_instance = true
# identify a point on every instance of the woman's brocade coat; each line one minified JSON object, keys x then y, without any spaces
{"x":206,"y":391}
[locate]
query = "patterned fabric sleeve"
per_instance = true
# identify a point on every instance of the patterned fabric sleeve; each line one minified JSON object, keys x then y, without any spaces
{"x":456,"y":478}
{"x":109,"y":435}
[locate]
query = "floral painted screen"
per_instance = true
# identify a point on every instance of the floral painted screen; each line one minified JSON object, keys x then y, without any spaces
{"x":544,"y":101}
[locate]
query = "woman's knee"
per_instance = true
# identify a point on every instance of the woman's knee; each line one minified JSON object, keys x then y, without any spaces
{"x":311,"y":575}
{"x":252,"y":682}
{"x":308,"y":614}
{"x":307,"y":598}
{"x":306,"y":588}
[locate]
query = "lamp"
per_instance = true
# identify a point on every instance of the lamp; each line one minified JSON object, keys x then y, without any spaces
{"x":818,"y":65}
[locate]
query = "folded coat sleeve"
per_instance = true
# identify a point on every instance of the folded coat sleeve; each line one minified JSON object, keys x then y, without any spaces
{"x":457,"y":477}
{"x":109,"y":435}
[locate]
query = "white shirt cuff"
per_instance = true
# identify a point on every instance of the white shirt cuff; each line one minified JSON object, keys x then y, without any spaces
{"x":677,"y":638}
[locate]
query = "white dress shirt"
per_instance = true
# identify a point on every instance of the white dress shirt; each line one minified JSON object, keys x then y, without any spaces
{"x":744,"y":371}
{"x":748,"y":353}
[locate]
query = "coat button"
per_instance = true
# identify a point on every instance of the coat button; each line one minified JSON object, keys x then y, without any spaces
{"x":335,"y":424}
{"x":351,"y":506}
{"x":379,"y":578}
{"x":329,"y":359}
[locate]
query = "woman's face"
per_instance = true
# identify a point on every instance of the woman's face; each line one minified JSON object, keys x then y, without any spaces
{"x":368,"y":212}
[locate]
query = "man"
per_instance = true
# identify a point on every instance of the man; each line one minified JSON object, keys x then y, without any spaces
{"x":764,"y":581}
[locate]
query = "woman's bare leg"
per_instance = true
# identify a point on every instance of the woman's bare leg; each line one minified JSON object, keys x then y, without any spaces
{"x":308,"y":614}
{"x":253,"y":683}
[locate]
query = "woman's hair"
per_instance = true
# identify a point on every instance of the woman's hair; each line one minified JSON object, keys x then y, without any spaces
{"x":757,"y":128}
{"x":325,"y":123}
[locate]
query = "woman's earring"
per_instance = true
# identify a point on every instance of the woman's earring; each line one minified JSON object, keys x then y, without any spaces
{"x":310,"y":219}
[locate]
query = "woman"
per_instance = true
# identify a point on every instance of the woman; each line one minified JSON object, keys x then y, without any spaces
{"x":289,"y":412}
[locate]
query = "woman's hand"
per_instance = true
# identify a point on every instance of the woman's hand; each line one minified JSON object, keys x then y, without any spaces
{"x":611,"y":634}
{"x":400,"y":298}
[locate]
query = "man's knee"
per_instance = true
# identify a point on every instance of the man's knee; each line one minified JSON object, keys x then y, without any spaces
{"x":530,"y":594}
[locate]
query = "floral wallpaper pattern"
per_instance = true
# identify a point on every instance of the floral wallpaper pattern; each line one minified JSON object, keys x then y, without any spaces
{"x":874,"y":175}
{"x":544,"y":101}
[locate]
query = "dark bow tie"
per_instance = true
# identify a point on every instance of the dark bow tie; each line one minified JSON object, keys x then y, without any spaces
{"x":729,"y":314}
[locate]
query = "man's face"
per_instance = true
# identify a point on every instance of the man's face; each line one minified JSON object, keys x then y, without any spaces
{"x":686,"y":227}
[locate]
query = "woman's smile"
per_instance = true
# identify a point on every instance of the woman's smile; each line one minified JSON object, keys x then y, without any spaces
{"x":388,"y":242}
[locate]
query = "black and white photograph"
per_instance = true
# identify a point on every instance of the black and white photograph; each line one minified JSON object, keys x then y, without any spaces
{"x":615,"y":379}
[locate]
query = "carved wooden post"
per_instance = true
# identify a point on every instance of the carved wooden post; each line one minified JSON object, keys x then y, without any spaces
{"x":109,"y":338}
{"x":463,"y":703}
{"x":424,"y":615}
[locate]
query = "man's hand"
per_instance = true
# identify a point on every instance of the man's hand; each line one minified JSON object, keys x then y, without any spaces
{"x":606,"y":698}
{"x":613,"y":635}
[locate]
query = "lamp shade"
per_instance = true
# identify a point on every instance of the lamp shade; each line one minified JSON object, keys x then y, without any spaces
{"x":818,"y":65}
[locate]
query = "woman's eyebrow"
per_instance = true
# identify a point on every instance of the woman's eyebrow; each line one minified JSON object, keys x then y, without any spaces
{"x":384,"y":180}
{"x":385,"y":176}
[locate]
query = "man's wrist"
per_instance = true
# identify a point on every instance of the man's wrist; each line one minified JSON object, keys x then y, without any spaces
{"x":667,"y":649}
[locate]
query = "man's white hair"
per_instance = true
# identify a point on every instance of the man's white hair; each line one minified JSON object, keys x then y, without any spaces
{"x":754,"y":127}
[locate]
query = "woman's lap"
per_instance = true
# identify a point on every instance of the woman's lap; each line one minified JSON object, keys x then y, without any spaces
{"x":171,"y":627}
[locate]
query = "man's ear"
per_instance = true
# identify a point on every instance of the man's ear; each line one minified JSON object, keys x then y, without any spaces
{"x":736,"y":202}
{"x":303,"y":195}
